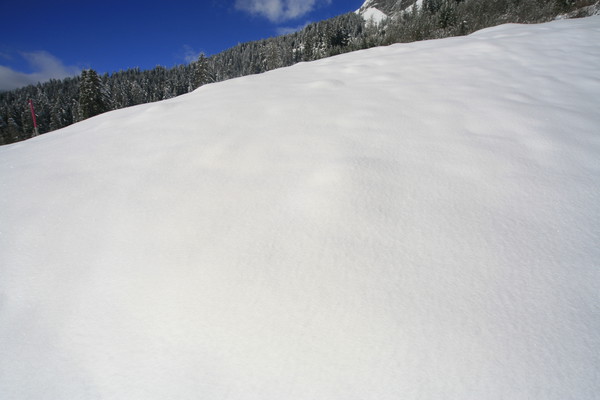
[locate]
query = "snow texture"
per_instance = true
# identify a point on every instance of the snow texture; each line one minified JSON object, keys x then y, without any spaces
{"x":420,"y":221}
{"x":373,"y":15}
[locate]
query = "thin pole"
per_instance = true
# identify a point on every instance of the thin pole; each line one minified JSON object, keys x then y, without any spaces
{"x":35,"y":128}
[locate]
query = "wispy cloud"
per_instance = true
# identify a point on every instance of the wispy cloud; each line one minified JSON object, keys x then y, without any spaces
{"x":284,"y":30}
{"x":45,"y":67}
{"x":189,"y":54}
{"x":279,"y":10}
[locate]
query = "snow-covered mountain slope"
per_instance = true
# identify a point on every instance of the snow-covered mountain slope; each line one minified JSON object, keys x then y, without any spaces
{"x":413,"y":222}
{"x":372,"y":15}
{"x":379,"y":9}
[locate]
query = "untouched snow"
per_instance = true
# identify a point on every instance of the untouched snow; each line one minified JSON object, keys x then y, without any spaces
{"x":373,"y":15}
{"x":414,"y":222}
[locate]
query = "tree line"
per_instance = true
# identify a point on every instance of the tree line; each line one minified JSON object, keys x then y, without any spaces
{"x":59,"y":103}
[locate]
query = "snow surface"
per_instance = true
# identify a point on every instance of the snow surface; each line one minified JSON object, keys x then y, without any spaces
{"x":420,"y":221}
{"x":373,"y":15}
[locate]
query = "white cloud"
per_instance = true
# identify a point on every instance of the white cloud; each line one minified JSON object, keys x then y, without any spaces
{"x":279,"y":10}
{"x":45,"y":67}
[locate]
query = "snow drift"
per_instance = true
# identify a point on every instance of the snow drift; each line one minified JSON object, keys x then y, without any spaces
{"x":420,"y":221}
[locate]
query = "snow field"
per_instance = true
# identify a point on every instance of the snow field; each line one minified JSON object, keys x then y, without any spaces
{"x":419,"y":221}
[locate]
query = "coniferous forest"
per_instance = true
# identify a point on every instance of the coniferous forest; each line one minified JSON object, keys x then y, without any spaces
{"x":59,"y":103}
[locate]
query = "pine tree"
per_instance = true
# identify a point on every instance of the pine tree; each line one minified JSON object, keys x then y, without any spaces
{"x":271,"y":56}
{"x":91,"y":99}
{"x":26,"y":122}
{"x":201,"y":72}
{"x":562,"y":6}
{"x":447,"y":15}
{"x":58,"y":117}
{"x":137,"y":93}
{"x":13,"y":131}
{"x":3,"y":131}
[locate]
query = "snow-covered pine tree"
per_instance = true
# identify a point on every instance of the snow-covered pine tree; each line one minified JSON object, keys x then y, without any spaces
{"x":3,"y":131}
{"x":26,"y":122}
{"x":91,"y":101}
{"x":13,"y":131}
{"x":271,"y":55}
{"x":201,"y":72}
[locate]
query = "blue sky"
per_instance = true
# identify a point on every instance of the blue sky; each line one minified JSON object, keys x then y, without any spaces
{"x":40,"y":40}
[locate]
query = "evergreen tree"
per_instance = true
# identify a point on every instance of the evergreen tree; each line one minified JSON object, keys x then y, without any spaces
{"x":26,"y":122}
{"x":201,"y":71}
{"x":271,"y":56}
{"x":91,"y":101}
{"x":562,"y":6}
{"x":13,"y":131}
{"x":447,"y":15}
{"x":138,"y":94}
{"x":58,"y":116}
{"x":3,"y":131}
